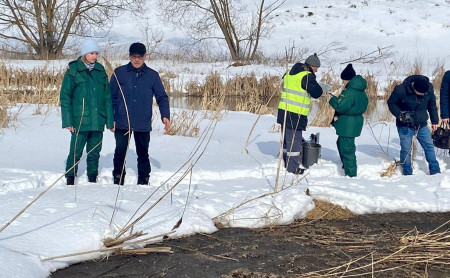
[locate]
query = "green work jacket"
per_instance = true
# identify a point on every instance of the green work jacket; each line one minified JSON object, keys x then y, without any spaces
{"x":85,"y":98}
{"x":349,"y":106}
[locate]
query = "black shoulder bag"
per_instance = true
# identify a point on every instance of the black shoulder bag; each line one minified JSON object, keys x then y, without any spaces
{"x":441,"y":137}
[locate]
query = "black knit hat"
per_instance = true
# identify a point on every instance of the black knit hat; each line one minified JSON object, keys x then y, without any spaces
{"x":348,"y":73}
{"x":137,"y":48}
{"x":421,"y":85}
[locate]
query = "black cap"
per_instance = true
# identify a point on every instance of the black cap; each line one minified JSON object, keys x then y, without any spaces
{"x":421,"y":85}
{"x":348,"y":73}
{"x":138,"y":48}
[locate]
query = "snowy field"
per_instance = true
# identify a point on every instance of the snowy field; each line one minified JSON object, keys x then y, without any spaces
{"x":68,"y":220}
{"x":73,"y":219}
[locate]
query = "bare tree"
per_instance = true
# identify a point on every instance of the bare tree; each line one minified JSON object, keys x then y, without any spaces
{"x":45,"y":25}
{"x":151,"y":36}
{"x":240,"y":27}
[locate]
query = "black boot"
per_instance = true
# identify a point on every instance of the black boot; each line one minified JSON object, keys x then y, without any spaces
{"x":70,"y":180}
{"x":92,"y":178}
{"x":117,"y":179}
{"x":143,"y":180}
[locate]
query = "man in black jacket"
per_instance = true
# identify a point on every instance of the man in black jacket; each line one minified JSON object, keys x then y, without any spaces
{"x":410,"y":103}
{"x":299,"y":85}
{"x":133,"y":87}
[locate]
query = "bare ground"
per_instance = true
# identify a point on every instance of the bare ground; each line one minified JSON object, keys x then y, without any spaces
{"x":364,"y":246}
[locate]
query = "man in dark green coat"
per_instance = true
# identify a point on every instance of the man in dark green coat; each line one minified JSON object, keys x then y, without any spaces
{"x":348,"y":120}
{"x":86,"y":108}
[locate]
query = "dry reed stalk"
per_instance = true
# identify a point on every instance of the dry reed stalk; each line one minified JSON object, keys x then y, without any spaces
{"x":372,"y":86}
{"x":108,"y":242}
{"x":145,"y":251}
{"x":185,"y":123}
{"x":206,"y":135}
{"x":4,"y":119}
{"x":390,"y":87}
{"x":436,"y":79}
{"x":246,"y":86}
{"x":244,"y":149}
{"x":219,"y":218}
{"x":390,"y":170}
{"x":430,"y":248}
{"x":324,"y":114}
{"x":417,"y":68}
{"x":168,"y":79}
{"x":262,"y":109}
{"x":333,"y":79}
{"x":39,"y":85}
{"x":128,"y":146}
{"x":113,"y":248}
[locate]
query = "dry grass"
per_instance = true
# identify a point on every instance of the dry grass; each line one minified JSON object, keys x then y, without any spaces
{"x":413,"y":254}
{"x":39,"y":85}
{"x":417,"y":68}
{"x":324,"y":115}
{"x":243,"y":86}
{"x":333,"y":79}
{"x":187,"y":122}
{"x":390,"y":87}
{"x":328,"y":211}
{"x":390,"y":170}
{"x":372,"y":86}
{"x":3,"y":117}
{"x":184,"y":123}
{"x":436,"y":77}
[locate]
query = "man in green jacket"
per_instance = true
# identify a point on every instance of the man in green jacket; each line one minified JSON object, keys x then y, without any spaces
{"x":86,"y":108}
{"x":348,"y":120}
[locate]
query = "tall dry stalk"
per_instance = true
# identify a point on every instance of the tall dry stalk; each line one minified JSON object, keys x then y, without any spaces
{"x":417,"y":68}
{"x":185,"y":123}
{"x":324,"y":114}
{"x":390,"y":87}
{"x":39,"y":85}
{"x":372,"y":86}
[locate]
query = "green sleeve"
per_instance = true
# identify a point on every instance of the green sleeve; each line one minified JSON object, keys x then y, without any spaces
{"x":66,"y":100}
{"x":343,"y":104}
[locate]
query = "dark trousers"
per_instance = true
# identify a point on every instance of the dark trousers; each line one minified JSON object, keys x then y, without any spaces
{"x":141,"y":140}
{"x":78,"y":141}
{"x":292,"y":149}
{"x":347,"y":149}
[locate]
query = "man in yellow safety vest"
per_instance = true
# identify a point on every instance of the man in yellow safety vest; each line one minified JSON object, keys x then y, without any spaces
{"x":299,"y":85}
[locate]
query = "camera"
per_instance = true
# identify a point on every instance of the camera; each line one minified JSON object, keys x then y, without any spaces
{"x":408,"y":117}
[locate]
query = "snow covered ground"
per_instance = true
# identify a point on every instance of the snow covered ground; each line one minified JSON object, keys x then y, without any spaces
{"x":73,"y":219}
{"x":66,"y":220}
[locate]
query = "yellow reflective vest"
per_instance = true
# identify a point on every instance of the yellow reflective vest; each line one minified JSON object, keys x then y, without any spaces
{"x":293,"y":97}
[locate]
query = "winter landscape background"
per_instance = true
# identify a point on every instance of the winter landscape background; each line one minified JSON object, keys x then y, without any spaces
{"x":210,"y":174}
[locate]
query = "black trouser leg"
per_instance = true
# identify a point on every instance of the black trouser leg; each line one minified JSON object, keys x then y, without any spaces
{"x":121,"y":137}
{"x":142,"y":141}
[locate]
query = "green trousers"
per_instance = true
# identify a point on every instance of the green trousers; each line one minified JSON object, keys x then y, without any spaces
{"x":346,"y":148}
{"x":90,"y":139}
